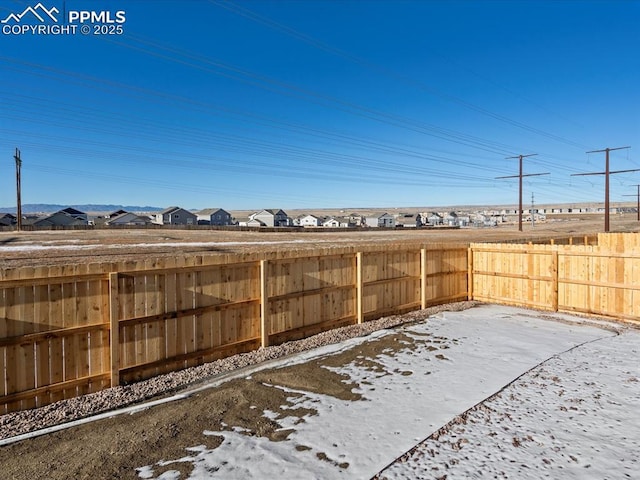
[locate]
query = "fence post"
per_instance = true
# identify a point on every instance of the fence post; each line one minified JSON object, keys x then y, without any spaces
{"x":264,"y":310}
{"x":554,"y":274}
{"x":423,"y":278}
{"x":469,"y":273}
{"x":114,"y":328}
{"x":359,"y":288}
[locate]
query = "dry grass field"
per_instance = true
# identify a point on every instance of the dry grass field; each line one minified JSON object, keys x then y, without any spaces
{"x":41,"y":248}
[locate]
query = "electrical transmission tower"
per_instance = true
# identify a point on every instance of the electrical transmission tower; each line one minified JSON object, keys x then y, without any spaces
{"x":606,"y":174}
{"x":533,"y":216}
{"x":520,"y":176}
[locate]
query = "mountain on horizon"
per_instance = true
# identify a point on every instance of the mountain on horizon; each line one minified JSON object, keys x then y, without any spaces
{"x":51,"y":208}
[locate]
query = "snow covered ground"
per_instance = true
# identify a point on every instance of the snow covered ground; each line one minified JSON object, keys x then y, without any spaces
{"x":575,"y":417}
{"x":572,"y":411}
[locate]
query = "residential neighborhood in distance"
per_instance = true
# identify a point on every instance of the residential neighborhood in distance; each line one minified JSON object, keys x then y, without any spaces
{"x":451,"y":217}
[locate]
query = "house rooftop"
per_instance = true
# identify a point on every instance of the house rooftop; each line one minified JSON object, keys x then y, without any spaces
{"x":72,"y":211}
{"x":209,"y":211}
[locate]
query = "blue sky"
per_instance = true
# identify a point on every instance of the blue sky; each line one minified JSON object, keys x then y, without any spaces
{"x":303,"y":104}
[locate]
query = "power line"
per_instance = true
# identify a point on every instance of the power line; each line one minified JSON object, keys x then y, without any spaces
{"x":327,"y":158}
{"x":327,"y":101}
{"x":606,"y":174}
{"x":295,"y":91}
{"x":150,"y":129}
{"x":520,"y":176}
{"x":126,"y":124}
{"x":245,"y":12}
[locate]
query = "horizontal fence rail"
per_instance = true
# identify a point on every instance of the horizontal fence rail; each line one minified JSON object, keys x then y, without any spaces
{"x":70,"y":330}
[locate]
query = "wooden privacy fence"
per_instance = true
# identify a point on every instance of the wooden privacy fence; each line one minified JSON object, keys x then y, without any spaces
{"x":601,"y":280}
{"x":70,"y":330}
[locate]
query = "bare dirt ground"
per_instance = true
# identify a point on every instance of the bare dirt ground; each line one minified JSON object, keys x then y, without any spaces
{"x":113,"y":448}
{"x":59,"y":247}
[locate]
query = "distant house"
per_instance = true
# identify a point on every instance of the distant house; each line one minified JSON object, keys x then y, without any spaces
{"x":30,"y":218}
{"x":175,"y":216}
{"x":76,"y":214}
{"x":464,"y":220}
{"x":386,"y":220}
{"x":537,"y":217}
{"x":490,"y":218}
{"x":369,"y":222}
{"x":331,"y":223}
{"x":270,"y":218}
{"x":244,"y":222}
{"x":128,"y":218}
{"x":451,"y":219}
{"x":310,"y":221}
{"x":355,"y":218}
{"x":215,"y":216}
{"x":59,"y":219}
{"x":116,"y":213}
{"x":254,"y":222}
{"x":435,"y":219}
{"x":340,"y":222}
{"x":7,"y":219}
{"x":479,"y":218}
{"x":349,"y":222}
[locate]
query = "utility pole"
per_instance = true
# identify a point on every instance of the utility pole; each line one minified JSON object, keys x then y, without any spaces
{"x":606,"y":174}
{"x":637,"y":195}
{"x":519,"y":176}
{"x":18,"y":181}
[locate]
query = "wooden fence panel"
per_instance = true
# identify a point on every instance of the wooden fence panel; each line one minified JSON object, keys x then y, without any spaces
{"x":522,"y":275}
{"x":445,"y":273}
{"x":55,"y":322}
{"x":599,"y":281}
{"x":166,"y":314}
{"x":185,"y":316}
{"x":619,"y":242}
{"x":309,"y":295}
{"x":52,"y":330}
{"x":573,"y":295}
{"x":391,"y":283}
